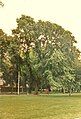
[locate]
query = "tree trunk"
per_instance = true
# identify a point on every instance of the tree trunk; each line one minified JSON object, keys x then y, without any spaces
{"x":63,"y":90}
{"x":70,"y":91}
{"x":36,"y":89}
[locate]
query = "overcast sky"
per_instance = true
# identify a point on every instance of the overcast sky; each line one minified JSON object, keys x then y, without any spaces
{"x":66,"y":13}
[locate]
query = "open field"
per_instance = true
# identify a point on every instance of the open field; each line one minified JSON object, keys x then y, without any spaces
{"x":40,"y":107}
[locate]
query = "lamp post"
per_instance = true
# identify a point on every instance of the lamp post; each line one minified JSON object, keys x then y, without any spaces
{"x":18,"y":82}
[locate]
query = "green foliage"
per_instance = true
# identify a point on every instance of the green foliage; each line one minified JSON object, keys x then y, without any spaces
{"x":43,"y":53}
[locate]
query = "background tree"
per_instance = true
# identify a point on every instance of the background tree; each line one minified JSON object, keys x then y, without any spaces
{"x":1,"y":3}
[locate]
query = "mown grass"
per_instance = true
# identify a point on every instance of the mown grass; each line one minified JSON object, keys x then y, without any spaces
{"x":40,"y":107}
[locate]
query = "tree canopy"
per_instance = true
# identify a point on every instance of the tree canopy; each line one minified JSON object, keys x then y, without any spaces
{"x":1,"y":3}
{"x":41,"y":54}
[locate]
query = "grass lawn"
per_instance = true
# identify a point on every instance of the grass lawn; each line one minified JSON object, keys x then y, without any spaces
{"x":40,"y":107}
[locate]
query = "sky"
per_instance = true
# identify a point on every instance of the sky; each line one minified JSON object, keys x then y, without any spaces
{"x":65,"y":13}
